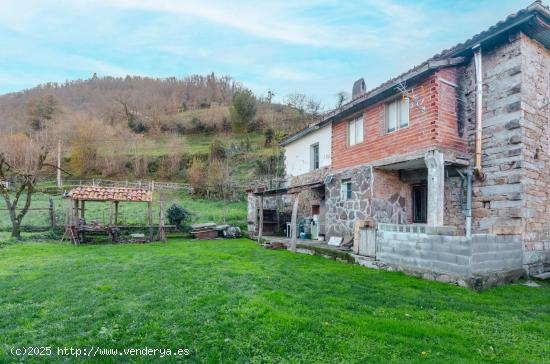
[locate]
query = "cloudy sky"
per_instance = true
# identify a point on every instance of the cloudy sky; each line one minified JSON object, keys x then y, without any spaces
{"x":318,"y":47}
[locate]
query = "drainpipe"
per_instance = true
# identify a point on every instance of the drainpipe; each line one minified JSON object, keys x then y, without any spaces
{"x":479,"y":111}
{"x":469,"y":202}
{"x":468,"y":210}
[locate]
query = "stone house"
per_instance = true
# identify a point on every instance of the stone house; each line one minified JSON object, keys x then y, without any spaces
{"x":447,"y":163}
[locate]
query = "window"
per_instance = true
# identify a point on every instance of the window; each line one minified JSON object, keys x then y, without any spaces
{"x":314,"y":156}
{"x":397,"y":114}
{"x":345,"y":189}
{"x":355,"y":131}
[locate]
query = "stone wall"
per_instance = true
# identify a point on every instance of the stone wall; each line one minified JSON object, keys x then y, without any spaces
{"x":454,"y":216}
{"x":514,"y":198}
{"x":535,"y":137}
{"x":497,"y":198}
{"x":280,"y":202}
{"x":392,"y":199}
{"x":341,"y":214}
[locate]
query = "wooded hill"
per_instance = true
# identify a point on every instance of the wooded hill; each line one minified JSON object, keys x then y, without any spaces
{"x":194,"y":104}
{"x":168,"y":129}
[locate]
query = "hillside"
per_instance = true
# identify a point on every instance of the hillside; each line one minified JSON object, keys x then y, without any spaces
{"x":140,"y":127}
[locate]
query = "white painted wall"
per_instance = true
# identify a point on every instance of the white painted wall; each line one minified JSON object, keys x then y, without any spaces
{"x":298,"y":153}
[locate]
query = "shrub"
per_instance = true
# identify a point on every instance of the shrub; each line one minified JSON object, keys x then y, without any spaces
{"x":218,"y":178}
{"x":196,"y":175}
{"x":269,"y":135}
{"x":178,"y":215}
{"x":243,"y":109}
{"x":217,"y":150}
{"x":136,"y":125}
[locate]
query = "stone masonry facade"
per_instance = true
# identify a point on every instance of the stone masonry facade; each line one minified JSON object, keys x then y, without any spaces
{"x":514,"y":197}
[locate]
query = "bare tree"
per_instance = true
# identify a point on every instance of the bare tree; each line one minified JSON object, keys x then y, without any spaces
{"x":22,"y":158}
{"x":341,"y":98}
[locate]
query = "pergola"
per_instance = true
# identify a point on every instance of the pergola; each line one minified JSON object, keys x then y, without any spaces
{"x":113,"y":195}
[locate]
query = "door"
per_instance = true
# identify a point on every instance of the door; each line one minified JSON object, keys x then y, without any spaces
{"x":367,"y":242}
{"x":420,"y":203}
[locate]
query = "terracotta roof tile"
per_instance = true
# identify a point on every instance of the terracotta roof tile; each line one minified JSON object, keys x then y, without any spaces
{"x":92,"y":193}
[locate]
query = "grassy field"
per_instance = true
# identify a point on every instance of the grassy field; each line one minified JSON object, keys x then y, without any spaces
{"x":234,"y":302}
{"x":203,"y":210}
{"x":191,"y":144}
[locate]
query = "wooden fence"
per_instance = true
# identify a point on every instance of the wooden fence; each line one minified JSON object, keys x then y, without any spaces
{"x":52,"y":218}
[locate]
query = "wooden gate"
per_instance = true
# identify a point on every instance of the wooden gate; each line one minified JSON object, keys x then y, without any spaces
{"x":367,"y":242}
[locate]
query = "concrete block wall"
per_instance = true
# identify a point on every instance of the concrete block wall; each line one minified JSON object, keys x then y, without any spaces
{"x":434,"y":253}
{"x":495,"y":253}
{"x":482,"y":255}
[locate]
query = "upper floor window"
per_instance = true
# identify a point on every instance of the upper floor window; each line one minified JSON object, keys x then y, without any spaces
{"x":314,"y":156}
{"x":397,"y":114}
{"x":355,"y":131}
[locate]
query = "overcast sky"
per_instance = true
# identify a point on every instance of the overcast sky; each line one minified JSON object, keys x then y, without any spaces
{"x":317,"y":47}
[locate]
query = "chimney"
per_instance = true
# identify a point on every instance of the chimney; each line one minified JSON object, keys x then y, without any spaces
{"x":359,"y":88}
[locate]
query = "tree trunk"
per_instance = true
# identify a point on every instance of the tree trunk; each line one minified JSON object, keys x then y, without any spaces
{"x":16,"y":230}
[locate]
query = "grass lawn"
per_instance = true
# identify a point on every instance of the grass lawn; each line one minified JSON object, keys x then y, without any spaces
{"x":232,"y":301}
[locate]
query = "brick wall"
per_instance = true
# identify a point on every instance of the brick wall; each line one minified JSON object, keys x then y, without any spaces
{"x":436,"y":126}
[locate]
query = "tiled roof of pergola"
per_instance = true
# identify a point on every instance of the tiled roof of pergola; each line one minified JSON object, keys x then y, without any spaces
{"x":96,"y":193}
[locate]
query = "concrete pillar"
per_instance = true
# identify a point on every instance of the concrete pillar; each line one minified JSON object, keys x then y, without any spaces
{"x":436,"y":187}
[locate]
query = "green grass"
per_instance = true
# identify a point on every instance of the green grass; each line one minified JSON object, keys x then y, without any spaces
{"x":234,"y":302}
{"x":191,"y":143}
{"x":203,"y":210}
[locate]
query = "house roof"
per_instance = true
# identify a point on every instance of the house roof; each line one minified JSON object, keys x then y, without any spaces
{"x":534,"y":21}
{"x":96,"y":193}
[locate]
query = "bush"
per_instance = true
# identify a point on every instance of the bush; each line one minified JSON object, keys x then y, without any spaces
{"x":177,"y":215}
{"x":269,"y":135}
{"x":136,"y":125}
{"x":217,"y":150}
{"x":196,"y":176}
{"x":243,"y":110}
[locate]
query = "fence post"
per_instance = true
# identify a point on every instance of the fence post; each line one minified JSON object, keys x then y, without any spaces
{"x":52,"y":214}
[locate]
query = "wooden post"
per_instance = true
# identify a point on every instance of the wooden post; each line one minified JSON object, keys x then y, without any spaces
{"x":150,"y":219}
{"x":59,"y":164}
{"x":110,"y":213}
{"x":82,"y":210}
{"x":261,"y":223}
{"x":116,"y":213}
{"x":293,"y":229}
{"x":75,"y":215}
{"x":52,"y":214}
{"x":161,"y":233}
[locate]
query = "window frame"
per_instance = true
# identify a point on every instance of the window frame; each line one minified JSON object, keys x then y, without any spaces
{"x":312,"y":161}
{"x":346,"y":189}
{"x":354,"y":122}
{"x":400,"y":103}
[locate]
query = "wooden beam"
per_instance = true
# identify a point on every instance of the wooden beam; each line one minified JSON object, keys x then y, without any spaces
{"x":82,"y":210}
{"x":110,"y":213}
{"x":261,"y":223}
{"x":161,"y":233}
{"x":116,"y":213}
{"x":75,"y":212}
{"x":150,"y":219}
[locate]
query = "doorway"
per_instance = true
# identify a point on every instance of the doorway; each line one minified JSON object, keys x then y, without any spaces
{"x":420,"y":203}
